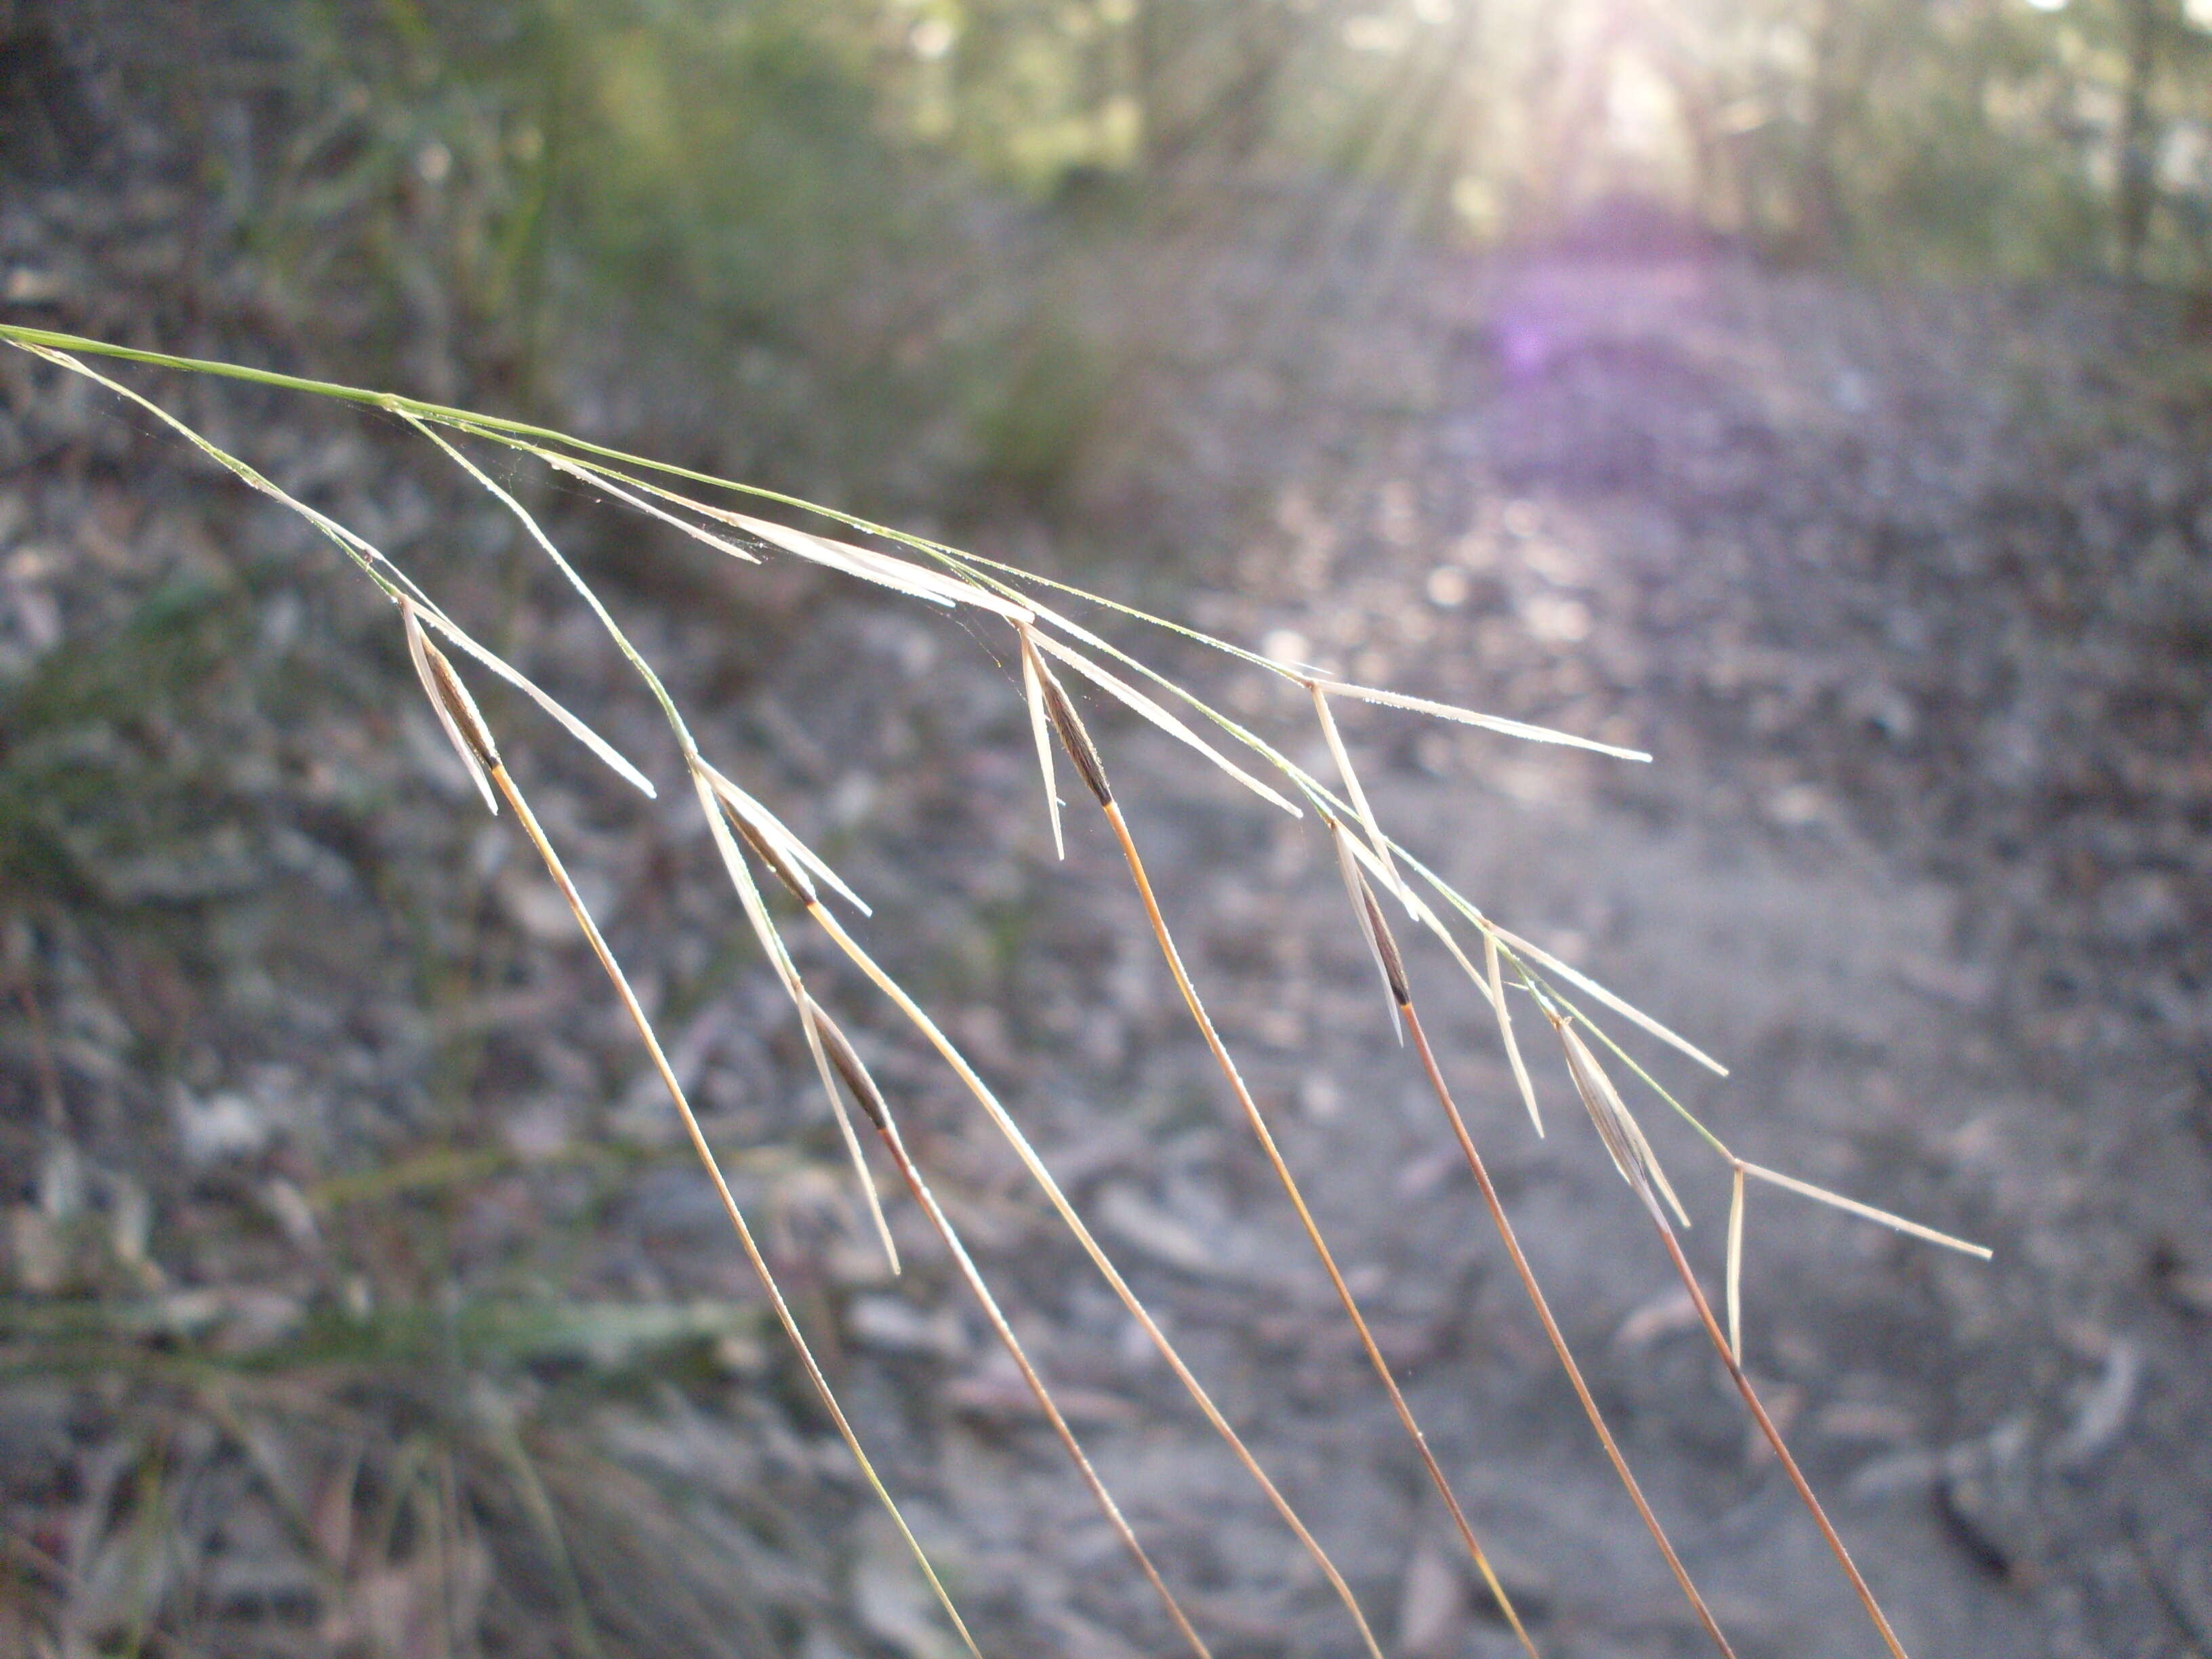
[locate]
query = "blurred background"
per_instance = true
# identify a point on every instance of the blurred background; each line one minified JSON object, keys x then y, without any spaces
{"x":1814,"y":392}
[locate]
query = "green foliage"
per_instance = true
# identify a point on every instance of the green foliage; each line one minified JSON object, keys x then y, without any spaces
{"x":1031,"y":423}
{"x":89,"y":774}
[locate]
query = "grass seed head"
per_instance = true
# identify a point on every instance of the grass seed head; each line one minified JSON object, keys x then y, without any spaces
{"x":456,"y":710}
{"x":801,"y":888}
{"x":847,"y":1061}
{"x":1382,"y":948}
{"x":1604,"y":1107}
{"x":1624,"y":1137}
{"x":1074,"y":737}
{"x":1386,"y":946}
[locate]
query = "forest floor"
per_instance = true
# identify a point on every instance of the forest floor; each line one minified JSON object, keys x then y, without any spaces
{"x":308,"y":1090}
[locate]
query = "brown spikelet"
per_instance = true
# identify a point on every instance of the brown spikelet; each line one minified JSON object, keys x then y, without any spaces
{"x":1074,"y":737}
{"x":839,"y":1047}
{"x":1382,"y":948}
{"x":1601,"y":1102}
{"x":450,"y":701}
{"x":800,"y":890}
{"x":1617,"y":1126}
{"x":456,"y":698}
{"x":1386,"y":946}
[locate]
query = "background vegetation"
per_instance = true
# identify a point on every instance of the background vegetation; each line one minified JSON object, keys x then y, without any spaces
{"x":810,"y":205}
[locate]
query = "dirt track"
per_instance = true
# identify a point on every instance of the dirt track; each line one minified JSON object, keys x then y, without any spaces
{"x":1922,"y":856}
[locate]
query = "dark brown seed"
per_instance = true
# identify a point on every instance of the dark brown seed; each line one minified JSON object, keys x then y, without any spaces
{"x":839,"y":1047}
{"x":766,"y":853}
{"x":1080,"y":748}
{"x":1386,"y":945}
{"x":461,"y":706}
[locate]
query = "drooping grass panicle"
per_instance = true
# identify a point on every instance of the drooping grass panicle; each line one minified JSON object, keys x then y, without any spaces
{"x":951,"y":578}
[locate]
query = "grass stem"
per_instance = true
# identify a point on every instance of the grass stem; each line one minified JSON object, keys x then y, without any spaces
{"x":1767,"y":1428}
{"x":1289,"y":1185}
{"x":815,"y":1375}
{"x":896,"y":1146}
{"x":1129,"y":1299}
{"x":1558,"y":1340}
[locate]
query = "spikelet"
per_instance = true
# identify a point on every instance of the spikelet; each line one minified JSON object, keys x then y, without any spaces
{"x":450,"y":700}
{"x":1389,"y":966}
{"x":1617,"y":1126}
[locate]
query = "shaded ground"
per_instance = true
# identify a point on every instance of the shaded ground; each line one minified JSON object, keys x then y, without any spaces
{"x":349,"y":1242}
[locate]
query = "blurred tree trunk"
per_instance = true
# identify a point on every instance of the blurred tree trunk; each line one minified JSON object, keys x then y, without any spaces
{"x":2136,"y":172}
{"x":1206,"y":74}
{"x":1819,"y":189}
{"x":1163,"y":37}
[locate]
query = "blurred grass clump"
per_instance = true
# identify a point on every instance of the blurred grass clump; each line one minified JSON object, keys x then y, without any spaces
{"x":697,"y":200}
